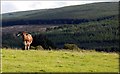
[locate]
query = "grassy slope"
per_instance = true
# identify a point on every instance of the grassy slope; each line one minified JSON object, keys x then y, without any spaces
{"x":58,"y":61}
{"x":88,"y":11}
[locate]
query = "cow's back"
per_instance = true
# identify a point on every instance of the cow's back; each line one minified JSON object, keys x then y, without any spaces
{"x":29,"y":38}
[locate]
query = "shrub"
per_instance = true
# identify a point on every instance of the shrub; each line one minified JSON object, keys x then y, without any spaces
{"x":71,"y":46}
{"x":32,"y":47}
{"x":39,"y":47}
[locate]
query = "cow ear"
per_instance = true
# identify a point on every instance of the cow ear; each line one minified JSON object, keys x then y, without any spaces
{"x":30,"y":33}
{"x":19,"y":32}
{"x":18,"y":35}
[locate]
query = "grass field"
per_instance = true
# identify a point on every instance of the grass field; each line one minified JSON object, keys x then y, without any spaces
{"x":58,"y":61}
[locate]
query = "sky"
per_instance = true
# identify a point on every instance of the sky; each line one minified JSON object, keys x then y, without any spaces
{"x":14,"y":5}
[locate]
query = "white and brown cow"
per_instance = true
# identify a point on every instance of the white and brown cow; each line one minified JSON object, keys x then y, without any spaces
{"x":27,"y":39}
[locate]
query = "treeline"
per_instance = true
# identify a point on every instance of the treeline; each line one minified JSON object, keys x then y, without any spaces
{"x":99,"y":35}
{"x":52,"y":21}
{"x":12,"y":41}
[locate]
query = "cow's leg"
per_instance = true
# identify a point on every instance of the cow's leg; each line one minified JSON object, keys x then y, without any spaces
{"x":25,"y":47}
{"x":28,"y":47}
{"x":25,"y":43}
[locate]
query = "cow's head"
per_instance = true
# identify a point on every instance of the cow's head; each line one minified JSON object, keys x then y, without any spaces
{"x":21,"y":33}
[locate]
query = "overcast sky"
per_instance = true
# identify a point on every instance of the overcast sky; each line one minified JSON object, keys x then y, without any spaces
{"x":13,"y":6}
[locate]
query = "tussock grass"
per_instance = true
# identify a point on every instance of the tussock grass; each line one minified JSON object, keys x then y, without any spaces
{"x":58,"y":61}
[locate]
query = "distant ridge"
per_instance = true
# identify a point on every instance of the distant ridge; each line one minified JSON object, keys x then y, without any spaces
{"x":82,"y":13}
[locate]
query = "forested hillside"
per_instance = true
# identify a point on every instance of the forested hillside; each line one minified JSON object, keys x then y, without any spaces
{"x":99,"y":35}
{"x":89,"y":26}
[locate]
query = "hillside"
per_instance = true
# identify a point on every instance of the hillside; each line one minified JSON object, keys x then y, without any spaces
{"x":89,"y":26}
{"x":64,"y":15}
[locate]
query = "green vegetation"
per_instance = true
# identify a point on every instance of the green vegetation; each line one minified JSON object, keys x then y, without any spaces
{"x":88,"y":11}
{"x":100,"y":35}
{"x":71,"y":47}
{"x":98,"y":28}
{"x":85,"y":12}
{"x":58,"y":61}
{"x":60,"y":37}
